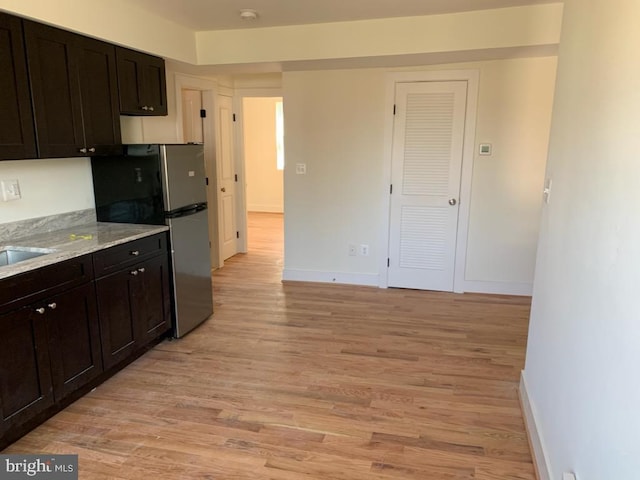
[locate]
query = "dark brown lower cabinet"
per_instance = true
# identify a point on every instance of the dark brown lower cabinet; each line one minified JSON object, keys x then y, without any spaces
{"x":74,"y":339}
{"x":134,"y":306}
{"x":62,"y":331}
{"x":26,"y":388}
{"x":48,"y":350}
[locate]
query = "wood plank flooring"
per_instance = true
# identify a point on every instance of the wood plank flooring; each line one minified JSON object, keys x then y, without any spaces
{"x":301,"y":381}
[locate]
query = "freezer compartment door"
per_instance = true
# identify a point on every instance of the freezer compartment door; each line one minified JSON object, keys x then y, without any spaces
{"x":191,"y":271}
{"x":183,"y":175}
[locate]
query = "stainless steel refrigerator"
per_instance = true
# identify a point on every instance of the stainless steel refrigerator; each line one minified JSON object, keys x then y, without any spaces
{"x":164,"y":184}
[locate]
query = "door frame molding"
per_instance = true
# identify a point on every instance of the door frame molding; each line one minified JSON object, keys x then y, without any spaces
{"x":241,"y":188}
{"x":472,"y":77}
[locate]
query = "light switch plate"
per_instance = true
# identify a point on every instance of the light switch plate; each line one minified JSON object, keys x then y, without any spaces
{"x":301,"y":168}
{"x":10,"y":190}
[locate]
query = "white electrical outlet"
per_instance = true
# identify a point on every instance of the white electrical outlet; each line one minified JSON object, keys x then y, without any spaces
{"x":301,"y":168}
{"x":352,"y":250}
{"x":10,"y":190}
{"x":364,"y":250}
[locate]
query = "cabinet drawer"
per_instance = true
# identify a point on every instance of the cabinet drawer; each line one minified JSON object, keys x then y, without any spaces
{"x":29,"y":286}
{"x":115,"y":258}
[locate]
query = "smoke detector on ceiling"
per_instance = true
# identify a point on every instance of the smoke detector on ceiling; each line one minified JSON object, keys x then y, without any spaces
{"x":248,"y":14}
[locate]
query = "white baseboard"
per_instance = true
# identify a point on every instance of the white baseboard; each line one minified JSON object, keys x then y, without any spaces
{"x":499,"y":288}
{"x":265,"y":208}
{"x":538,"y":450}
{"x":365,"y":279}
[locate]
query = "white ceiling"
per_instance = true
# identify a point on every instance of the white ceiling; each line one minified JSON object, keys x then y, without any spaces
{"x":202,"y":15}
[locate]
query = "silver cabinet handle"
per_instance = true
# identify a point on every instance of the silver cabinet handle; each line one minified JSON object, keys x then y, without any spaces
{"x":53,"y":305}
{"x":40,"y":310}
{"x":83,"y":150}
{"x":133,"y":272}
{"x":92,"y":149}
{"x":452,"y":201}
{"x":141,"y":269}
{"x":151,"y":109}
{"x":135,"y":253}
{"x":144,"y":107}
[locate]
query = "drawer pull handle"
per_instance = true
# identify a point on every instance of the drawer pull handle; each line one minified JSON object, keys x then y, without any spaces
{"x":151,"y":109}
{"x":145,"y":108}
{"x":141,"y":269}
{"x":133,"y":272}
{"x":135,"y":253}
{"x":40,"y":310}
{"x":53,"y":306}
{"x":92,"y":149}
{"x":82,"y":150}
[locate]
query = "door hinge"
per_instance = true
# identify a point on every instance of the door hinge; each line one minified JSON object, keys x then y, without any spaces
{"x":237,"y":234}
{"x":236,"y":177}
{"x":390,"y":189}
{"x":388,"y":263}
{"x":394,"y":109}
{"x":206,"y":180}
{"x":234,"y":117}
{"x":203,"y":113}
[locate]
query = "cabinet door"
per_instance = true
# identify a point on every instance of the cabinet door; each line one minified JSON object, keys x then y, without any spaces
{"x":116,"y":311}
{"x":99,"y":88}
{"x":153,"y":299}
{"x":55,"y":89}
{"x":17,"y":136}
{"x":154,"y":88}
{"x":142,"y":83}
{"x":74,"y":339}
{"x":25,"y":379}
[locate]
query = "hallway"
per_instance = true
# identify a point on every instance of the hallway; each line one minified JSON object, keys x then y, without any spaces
{"x":312,"y":381}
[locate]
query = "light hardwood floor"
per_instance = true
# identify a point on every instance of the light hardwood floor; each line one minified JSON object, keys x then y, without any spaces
{"x":312,"y":382}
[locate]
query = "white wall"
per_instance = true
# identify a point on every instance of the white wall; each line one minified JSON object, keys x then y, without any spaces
{"x":334,"y":122}
{"x":48,"y":187}
{"x":584,"y":339}
{"x":264,"y":182}
{"x":514,"y":115}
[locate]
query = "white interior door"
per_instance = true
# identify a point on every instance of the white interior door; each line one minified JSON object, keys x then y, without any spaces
{"x":428,"y":140}
{"x":191,"y":119}
{"x":226,"y":178}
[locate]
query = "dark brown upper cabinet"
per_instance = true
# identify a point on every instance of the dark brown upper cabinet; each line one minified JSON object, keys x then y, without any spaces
{"x":17,"y":135}
{"x":74,"y":91}
{"x":142,"y":83}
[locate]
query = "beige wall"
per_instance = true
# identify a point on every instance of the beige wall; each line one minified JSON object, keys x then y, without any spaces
{"x":584,"y":335}
{"x":334,"y":123}
{"x":116,"y":21}
{"x":525,"y":26}
{"x":514,"y":115}
{"x":48,"y":187}
{"x":264,"y":181}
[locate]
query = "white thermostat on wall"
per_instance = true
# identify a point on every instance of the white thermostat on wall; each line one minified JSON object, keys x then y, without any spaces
{"x":485,"y":149}
{"x":192,"y":173}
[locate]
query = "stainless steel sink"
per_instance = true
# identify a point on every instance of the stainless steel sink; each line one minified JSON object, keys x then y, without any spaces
{"x":11,"y":255}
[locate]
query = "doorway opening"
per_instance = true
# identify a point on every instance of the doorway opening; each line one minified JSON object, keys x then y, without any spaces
{"x":263,"y":149}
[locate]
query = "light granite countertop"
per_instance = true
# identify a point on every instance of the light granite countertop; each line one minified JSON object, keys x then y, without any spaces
{"x":73,"y":242}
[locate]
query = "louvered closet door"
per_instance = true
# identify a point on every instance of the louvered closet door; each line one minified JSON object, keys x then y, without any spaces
{"x":426,"y":167}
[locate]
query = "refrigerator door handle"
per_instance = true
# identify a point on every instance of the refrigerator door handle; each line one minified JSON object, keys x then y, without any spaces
{"x":186,"y":210}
